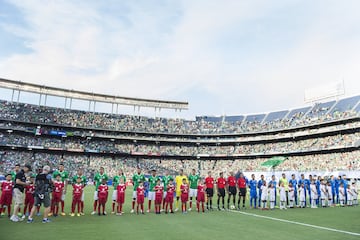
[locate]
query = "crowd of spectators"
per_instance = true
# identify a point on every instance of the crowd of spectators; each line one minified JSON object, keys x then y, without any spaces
{"x":151,"y":148}
{"x":74,"y":118}
{"x":345,"y":161}
{"x":94,"y":139}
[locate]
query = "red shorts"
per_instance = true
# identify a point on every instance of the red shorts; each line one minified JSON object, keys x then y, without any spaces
{"x":121,"y":198}
{"x":201,"y":197}
{"x":158,"y":199}
{"x":29,"y":200}
{"x":102,"y":200}
{"x":184,"y":197}
{"x":140,"y":199}
{"x":57,"y":197}
{"x":6,"y":199}
{"x":76,"y":198}
{"x":169,"y":198}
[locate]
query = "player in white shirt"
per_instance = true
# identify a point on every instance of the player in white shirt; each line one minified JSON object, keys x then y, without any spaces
{"x":349,"y":195}
{"x":313,"y":194}
{"x":342,"y":195}
{"x":291,"y":195}
{"x":323,"y":193}
{"x":329,"y":194}
{"x":272,"y":196}
{"x":264,"y":195}
{"x":282,"y":195}
{"x":302,"y":195}
{"x":355,"y":193}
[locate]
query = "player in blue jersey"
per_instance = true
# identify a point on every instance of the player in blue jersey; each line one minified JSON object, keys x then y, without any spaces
{"x":318,"y":183}
{"x":294,"y":183}
{"x":345,"y":183}
{"x":259,"y":184}
{"x":337,"y":185}
{"x":253,"y":192}
{"x":332,"y":184}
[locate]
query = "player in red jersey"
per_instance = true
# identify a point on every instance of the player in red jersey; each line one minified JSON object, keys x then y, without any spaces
{"x":121,"y":187}
{"x":159,"y":192}
{"x":221,"y":183}
{"x":231,"y":186}
{"x":200,"y":195}
{"x":103,"y":192}
{"x":6,"y":195}
{"x":57,"y":194}
{"x":78,"y":189}
{"x":29,"y":196}
{"x":140,"y":192}
{"x":184,"y":189}
{"x":169,"y":198}
{"x":209,"y":183}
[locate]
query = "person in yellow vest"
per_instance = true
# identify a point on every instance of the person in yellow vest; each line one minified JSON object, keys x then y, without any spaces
{"x":284,"y":180}
{"x":178,"y":181}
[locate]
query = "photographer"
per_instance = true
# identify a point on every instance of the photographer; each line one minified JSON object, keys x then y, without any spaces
{"x":20,"y":183}
{"x":42,"y":194}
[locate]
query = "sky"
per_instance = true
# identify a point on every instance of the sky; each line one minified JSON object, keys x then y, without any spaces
{"x":223,"y":57}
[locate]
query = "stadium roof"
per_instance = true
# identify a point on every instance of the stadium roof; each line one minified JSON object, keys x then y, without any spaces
{"x":96,"y":97}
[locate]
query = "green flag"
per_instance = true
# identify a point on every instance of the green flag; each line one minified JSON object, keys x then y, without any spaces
{"x":273,"y":162}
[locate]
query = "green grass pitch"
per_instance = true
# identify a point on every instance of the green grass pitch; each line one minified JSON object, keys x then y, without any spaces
{"x":210,"y":225}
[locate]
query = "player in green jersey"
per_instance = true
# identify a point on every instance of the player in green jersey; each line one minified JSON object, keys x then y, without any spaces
{"x":99,"y":177}
{"x":193,"y":182}
{"x":165,"y":181}
{"x":136,"y":179}
{"x":152,"y":183}
{"x":115,"y":182}
{"x":80,"y":174}
{"x":64,"y":178}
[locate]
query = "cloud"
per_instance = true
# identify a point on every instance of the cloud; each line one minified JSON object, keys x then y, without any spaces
{"x":232,"y":58}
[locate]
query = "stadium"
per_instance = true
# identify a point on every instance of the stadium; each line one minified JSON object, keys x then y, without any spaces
{"x":327,"y":132}
{"x":322,"y":139}
{"x":93,"y":144}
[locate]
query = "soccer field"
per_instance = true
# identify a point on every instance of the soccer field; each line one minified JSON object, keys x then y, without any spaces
{"x":329,"y":223}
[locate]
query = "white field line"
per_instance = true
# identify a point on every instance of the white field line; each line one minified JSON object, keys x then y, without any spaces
{"x":298,"y":223}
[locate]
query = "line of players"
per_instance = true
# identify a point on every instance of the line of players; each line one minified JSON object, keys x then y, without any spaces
{"x":320,"y":192}
{"x":161,"y":190}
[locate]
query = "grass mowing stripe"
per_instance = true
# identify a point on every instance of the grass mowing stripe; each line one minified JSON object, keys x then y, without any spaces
{"x":298,"y":223}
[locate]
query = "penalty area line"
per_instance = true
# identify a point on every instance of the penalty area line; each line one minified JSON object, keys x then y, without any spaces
{"x":298,"y":223}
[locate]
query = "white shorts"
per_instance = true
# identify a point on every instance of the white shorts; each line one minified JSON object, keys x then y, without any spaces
{"x":264,"y":197}
{"x":193,"y":193}
{"x":96,"y":196}
{"x":282,"y":197}
{"x":164,"y":195}
{"x":114,"y":195}
{"x":82,"y":196}
{"x":134,"y":194}
{"x":151,"y":196}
